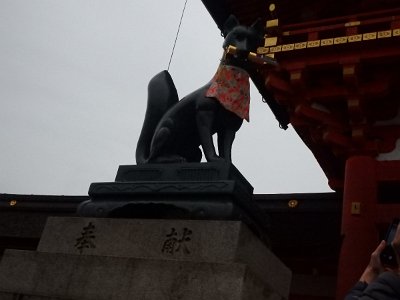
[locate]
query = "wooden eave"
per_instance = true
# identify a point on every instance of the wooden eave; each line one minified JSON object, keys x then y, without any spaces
{"x":338,"y":133}
{"x":291,"y":12}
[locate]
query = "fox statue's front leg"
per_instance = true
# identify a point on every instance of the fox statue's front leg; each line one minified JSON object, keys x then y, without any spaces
{"x":227,"y":133}
{"x":206,"y":111}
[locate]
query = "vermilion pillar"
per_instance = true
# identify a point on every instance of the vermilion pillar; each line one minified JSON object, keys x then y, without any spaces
{"x":360,"y":235}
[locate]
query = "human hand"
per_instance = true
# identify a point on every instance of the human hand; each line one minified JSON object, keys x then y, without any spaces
{"x":375,"y":267}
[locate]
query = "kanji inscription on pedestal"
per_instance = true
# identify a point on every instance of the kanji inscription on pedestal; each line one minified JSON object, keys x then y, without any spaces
{"x":86,"y":240}
{"x":174,"y":243}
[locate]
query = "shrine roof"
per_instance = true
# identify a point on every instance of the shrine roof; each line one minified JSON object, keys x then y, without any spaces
{"x":290,"y":12}
{"x":330,"y":54}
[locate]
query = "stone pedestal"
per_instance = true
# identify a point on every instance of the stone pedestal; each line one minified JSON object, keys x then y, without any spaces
{"x":159,"y":232}
{"x":99,"y":258}
{"x":195,"y":191}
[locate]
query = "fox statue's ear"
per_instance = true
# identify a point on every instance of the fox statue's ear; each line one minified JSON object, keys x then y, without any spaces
{"x":229,"y":24}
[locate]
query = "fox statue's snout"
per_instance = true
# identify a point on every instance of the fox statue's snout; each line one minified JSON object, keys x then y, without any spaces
{"x":173,"y":130}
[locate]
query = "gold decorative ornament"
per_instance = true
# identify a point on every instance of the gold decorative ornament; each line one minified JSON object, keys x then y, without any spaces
{"x":272,"y":23}
{"x":271,"y":41}
{"x":272,"y":7}
{"x":293,"y":203}
{"x":313,"y":44}
{"x":369,"y":36}
{"x":340,"y":40}
{"x":326,"y":42}
{"x":288,"y":47}
{"x":355,"y":38}
{"x":351,"y":24}
{"x":270,"y":48}
{"x":384,"y":34}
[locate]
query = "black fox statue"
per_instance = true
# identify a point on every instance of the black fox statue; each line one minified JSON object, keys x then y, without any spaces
{"x":173,"y":130}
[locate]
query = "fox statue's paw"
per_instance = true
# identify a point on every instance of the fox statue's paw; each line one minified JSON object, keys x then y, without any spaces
{"x":215,"y":158}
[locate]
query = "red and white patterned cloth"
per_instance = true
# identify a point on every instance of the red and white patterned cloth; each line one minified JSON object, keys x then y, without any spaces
{"x":231,"y":87}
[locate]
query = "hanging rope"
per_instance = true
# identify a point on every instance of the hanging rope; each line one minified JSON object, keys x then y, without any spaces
{"x":177,"y":33}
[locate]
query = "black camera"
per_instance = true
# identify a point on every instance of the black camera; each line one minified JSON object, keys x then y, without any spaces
{"x":388,"y":255}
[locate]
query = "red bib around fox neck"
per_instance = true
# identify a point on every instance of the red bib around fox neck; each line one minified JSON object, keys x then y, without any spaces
{"x":231,"y":87}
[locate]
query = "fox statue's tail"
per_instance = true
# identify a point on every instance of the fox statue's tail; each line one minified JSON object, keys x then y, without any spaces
{"x":162,"y":95}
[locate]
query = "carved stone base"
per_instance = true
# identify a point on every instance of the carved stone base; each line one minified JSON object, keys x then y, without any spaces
{"x":206,"y":191}
{"x":119,"y":259}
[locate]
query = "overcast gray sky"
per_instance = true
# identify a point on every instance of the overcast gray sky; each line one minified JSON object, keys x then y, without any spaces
{"x":73,"y":91}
